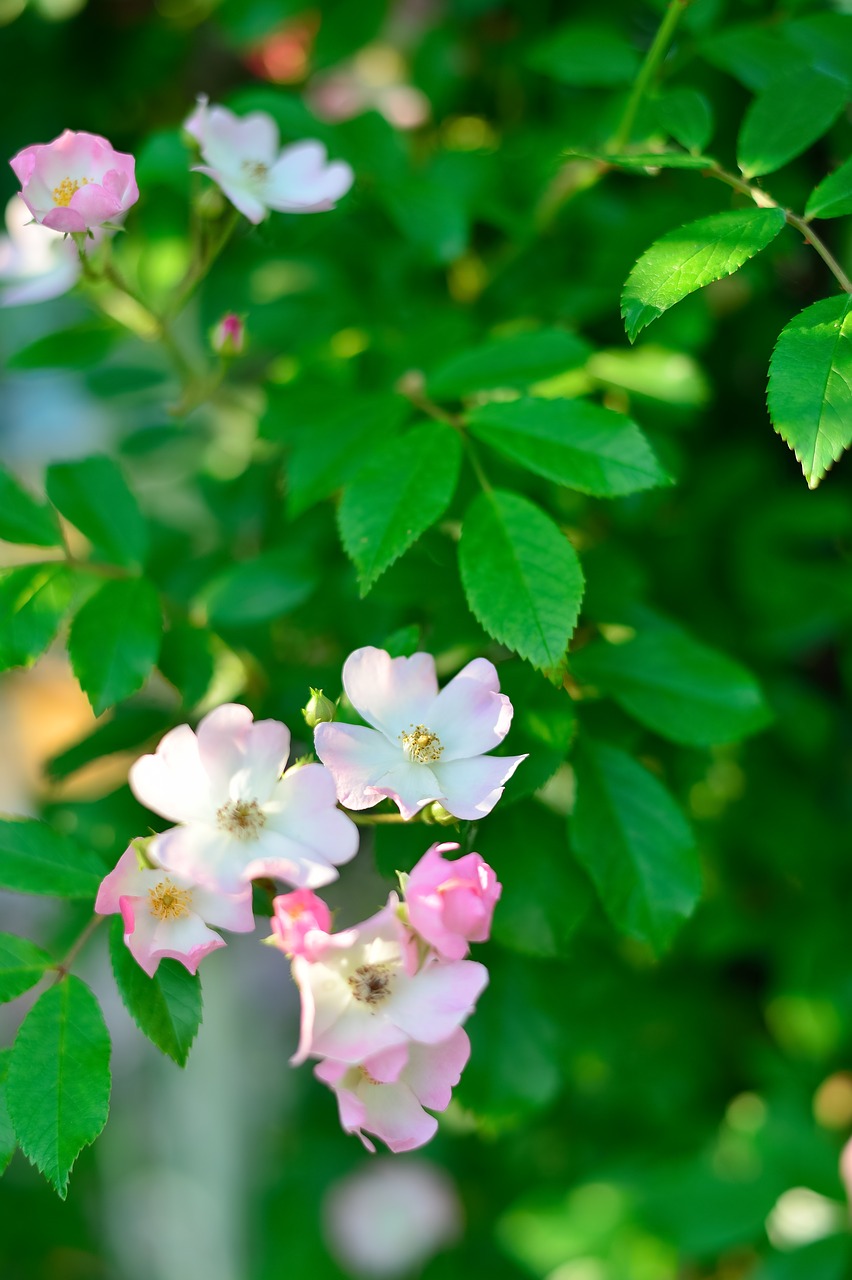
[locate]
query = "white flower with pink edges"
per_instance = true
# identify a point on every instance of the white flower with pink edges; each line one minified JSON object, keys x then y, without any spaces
{"x":423,"y":745}
{"x":243,"y":156}
{"x":301,"y":923}
{"x":239,"y":817}
{"x":76,"y":182}
{"x":451,"y":904}
{"x":167,"y":915}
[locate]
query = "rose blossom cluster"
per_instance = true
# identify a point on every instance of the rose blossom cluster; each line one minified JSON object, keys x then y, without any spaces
{"x":383,"y":1002}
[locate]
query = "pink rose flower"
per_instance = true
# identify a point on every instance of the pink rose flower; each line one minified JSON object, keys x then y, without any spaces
{"x":239,"y":818}
{"x":451,"y":903}
{"x":362,"y":992}
{"x":301,"y":922}
{"x":75,"y":182}
{"x":243,"y":156}
{"x":386,"y":1093}
{"x":167,"y":915}
{"x":228,"y":338}
{"x":423,"y":745}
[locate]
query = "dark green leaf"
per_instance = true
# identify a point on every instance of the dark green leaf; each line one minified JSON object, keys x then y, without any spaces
{"x":833,"y":197}
{"x":676,"y":686}
{"x":810,"y":385}
{"x":754,"y":54}
{"x":517,"y":362}
{"x":36,"y":859}
{"x":521,"y":576}
{"x":543,"y":726}
{"x":687,"y":116}
{"x":114,"y":641}
{"x":692,"y":256}
{"x":403,"y":642}
{"x":22,"y":519}
{"x":33,"y":601}
{"x":255,"y":591}
{"x":585,"y":54}
{"x":92,"y":493}
{"x":130,"y":728}
{"x":167,"y":1007}
{"x":431,"y":215}
{"x":397,"y":496}
{"x":22,"y":965}
{"x":77,"y":348}
{"x":643,"y":161}
{"x":187,"y":660}
{"x":573,"y":442}
{"x":58,"y":1084}
{"x":786,"y":117}
{"x":8,"y":1141}
{"x":634,"y":842}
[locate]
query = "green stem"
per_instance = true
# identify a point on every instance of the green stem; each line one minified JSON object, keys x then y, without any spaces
{"x":199,"y":270}
{"x":64,"y":966}
{"x":653,"y":59}
{"x":372,"y":819}
{"x":421,"y":401}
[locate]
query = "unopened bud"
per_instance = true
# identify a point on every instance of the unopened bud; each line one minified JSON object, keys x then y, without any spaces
{"x":319,"y":709}
{"x":210,"y":204}
{"x":436,"y":813}
{"x":228,"y":338}
{"x":412,"y":384}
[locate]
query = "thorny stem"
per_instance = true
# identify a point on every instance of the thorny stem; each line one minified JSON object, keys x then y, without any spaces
{"x":653,"y":59}
{"x":64,"y":966}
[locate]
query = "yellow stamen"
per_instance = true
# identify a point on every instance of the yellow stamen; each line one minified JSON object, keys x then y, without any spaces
{"x":66,"y":189}
{"x":168,"y":902}
{"x":422,"y":745}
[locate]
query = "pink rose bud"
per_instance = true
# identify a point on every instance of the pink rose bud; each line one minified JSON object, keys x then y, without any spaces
{"x":75,"y":182}
{"x":451,"y":903}
{"x":296,"y":916}
{"x":229,"y":336}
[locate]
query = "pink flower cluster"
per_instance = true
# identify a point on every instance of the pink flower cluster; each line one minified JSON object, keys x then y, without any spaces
{"x":383,"y":1003}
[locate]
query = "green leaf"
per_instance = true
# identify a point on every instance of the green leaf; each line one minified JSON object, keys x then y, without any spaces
{"x":585,"y":54}
{"x":636,"y":845}
{"x":114,"y":641}
{"x":642,"y":161}
{"x":786,"y":117}
{"x":671,"y":377}
{"x":36,"y":859}
{"x":572,"y":442}
{"x":76,"y":348}
{"x":167,"y":1007}
{"x":402,"y":490}
{"x":22,"y":519}
{"x":8,"y":1141}
{"x":687,"y":116}
{"x":92,"y":493}
{"x":129,"y":729}
{"x":543,"y":726}
{"x":521,"y":576}
{"x":676,"y":686}
{"x":833,"y":197}
{"x":187,"y":660}
{"x":33,"y":602}
{"x":58,"y":1084}
{"x":517,"y":362}
{"x":810,"y":385}
{"x":754,"y":54}
{"x":252,"y":592}
{"x":22,"y":965}
{"x":691,"y":257}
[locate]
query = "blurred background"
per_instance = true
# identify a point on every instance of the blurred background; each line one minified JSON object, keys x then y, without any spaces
{"x":621,"y":1119}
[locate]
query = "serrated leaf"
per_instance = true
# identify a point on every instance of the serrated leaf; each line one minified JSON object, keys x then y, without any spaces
{"x":521,"y":576}
{"x":166,"y":1008}
{"x":79,"y":347}
{"x":8,"y":1141}
{"x":809,"y":394}
{"x":679,"y":688}
{"x":251,"y":592}
{"x":396,"y":497}
{"x":93,"y":494}
{"x":584,"y":54}
{"x":36,"y":859}
{"x":516,"y":362}
{"x":543,"y":726}
{"x":786,"y":117}
{"x":22,"y":519}
{"x":692,"y":256}
{"x":187,"y":660}
{"x":833,"y":197}
{"x":687,"y":116}
{"x":573,"y":442}
{"x":22,"y":965}
{"x":635,"y":844}
{"x":33,"y":602}
{"x":114,"y":641}
{"x":131,"y":727}
{"x":58,"y":1085}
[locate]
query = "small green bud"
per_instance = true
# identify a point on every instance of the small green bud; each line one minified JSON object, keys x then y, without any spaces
{"x":210,"y":204}
{"x":436,"y":813}
{"x":319,"y":709}
{"x":302,"y":761}
{"x":140,"y":847}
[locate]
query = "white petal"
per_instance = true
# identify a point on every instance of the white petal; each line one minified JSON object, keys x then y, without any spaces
{"x":470,"y":715}
{"x":471,"y":788}
{"x":392,"y":694}
{"x":173,"y":782}
{"x":358,"y":759}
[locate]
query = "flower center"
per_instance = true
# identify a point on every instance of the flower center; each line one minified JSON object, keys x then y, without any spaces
{"x":242,"y":819}
{"x":168,"y":902}
{"x":421,"y":744}
{"x":255,"y":170}
{"x":63,"y":193}
{"x":371,"y":983}
{"x":365,"y":1076}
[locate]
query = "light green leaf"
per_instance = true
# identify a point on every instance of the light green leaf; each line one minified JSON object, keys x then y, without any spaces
{"x":521,"y":576}
{"x":810,"y":385}
{"x":33,"y":602}
{"x":8,"y":1141}
{"x":36,"y":859}
{"x":786,"y":117}
{"x":167,"y":1007}
{"x":402,"y":490}
{"x":672,"y":377}
{"x":572,"y":442}
{"x":755,"y":54}
{"x":517,"y":362}
{"x":256,"y":591}
{"x":676,"y":686}
{"x":833,"y":197}
{"x":22,"y":965}
{"x":80,"y":347}
{"x":691,"y":257}
{"x":585,"y":54}
{"x":643,"y":161}
{"x":114,"y":641}
{"x":687,"y":116}
{"x":58,"y":1084}
{"x":635,"y":843}
{"x":93,"y":494}
{"x":22,"y":519}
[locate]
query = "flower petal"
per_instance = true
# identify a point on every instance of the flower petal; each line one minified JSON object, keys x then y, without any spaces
{"x":229,"y":141}
{"x":358,"y":758}
{"x":64,"y":219}
{"x":95,"y":204}
{"x":302,"y":182}
{"x":433,"y":1070}
{"x":204,"y":856}
{"x":411,"y":786}
{"x":187,"y":940}
{"x":304,"y":809}
{"x":387,"y":1066}
{"x":470,"y":715}
{"x":173,"y":782}
{"x":243,"y":759}
{"x":240,"y":197}
{"x":231,"y":911}
{"x":392,"y":694}
{"x":471,"y":788}
{"x":126,"y":879}
{"x":394,"y":1115}
{"x":433,"y":1004}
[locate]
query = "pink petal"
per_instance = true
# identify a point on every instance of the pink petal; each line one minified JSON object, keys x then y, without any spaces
{"x":95,"y":204}
{"x":173,"y":782}
{"x":126,"y":878}
{"x":470,"y":715}
{"x":196,"y":123}
{"x":242,"y":759}
{"x":331,"y":1072}
{"x":204,"y":856}
{"x":390,"y":693}
{"x":230,"y":140}
{"x":358,"y":758}
{"x":358,"y":1033}
{"x":187,"y":940}
{"x":387,"y":1066}
{"x":64,"y":219}
{"x":290,"y":861}
{"x":432,"y":1005}
{"x":433,"y":1070}
{"x":411,"y":786}
{"x":471,"y":788}
{"x":231,"y":911}
{"x":304,"y":809}
{"x":394,"y":1115}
